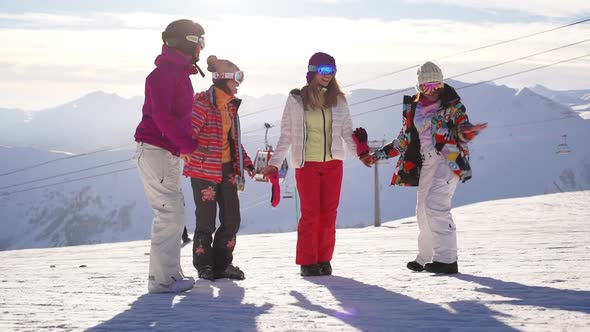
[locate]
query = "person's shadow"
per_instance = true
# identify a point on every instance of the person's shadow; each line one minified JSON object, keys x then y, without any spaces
{"x":539,"y":296}
{"x":373,"y":308}
{"x":196,"y":310}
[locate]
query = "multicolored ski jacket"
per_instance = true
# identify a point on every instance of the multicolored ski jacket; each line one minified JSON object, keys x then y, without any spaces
{"x":446,"y":138}
{"x":207,"y":126}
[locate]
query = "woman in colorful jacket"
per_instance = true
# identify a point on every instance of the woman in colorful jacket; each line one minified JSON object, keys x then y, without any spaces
{"x":432,"y":145}
{"x":163,"y":135}
{"x":216,"y":170}
{"x":315,"y":125}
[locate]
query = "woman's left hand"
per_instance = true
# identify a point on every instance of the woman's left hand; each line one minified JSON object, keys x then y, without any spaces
{"x":474,"y":128}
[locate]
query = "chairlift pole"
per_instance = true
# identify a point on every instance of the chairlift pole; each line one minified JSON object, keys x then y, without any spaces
{"x":374,"y":145}
{"x":377,"y":207}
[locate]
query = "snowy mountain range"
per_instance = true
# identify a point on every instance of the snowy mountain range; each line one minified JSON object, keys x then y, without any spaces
{"x":82,"y":199}
{"x":578,"y":100}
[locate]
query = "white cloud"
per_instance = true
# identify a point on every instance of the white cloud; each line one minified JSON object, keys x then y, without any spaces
{"x":115,"y":52}
{"x":550,"y":8}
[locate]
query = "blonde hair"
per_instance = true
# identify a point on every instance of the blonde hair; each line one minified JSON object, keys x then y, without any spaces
{"x":314,"y":99}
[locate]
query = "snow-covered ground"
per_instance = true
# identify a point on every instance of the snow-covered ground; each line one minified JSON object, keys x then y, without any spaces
{"x":524,"y":265}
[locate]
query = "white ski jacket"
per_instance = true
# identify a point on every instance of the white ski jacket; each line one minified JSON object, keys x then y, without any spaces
{"x":293,"y":131}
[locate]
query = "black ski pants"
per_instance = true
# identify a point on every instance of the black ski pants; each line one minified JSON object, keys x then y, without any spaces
{"x":209,"y":249}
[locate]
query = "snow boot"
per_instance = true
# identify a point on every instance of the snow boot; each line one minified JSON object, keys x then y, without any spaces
{"x":178,"y":286}
{"x":182,"y":285}
{"x":310,"y":270}
{"x":438,"y":267}
{"x":325,"y":269}
{"x":415,"y":266}
{"x":206,"y":272}
{"x":231,"y":272}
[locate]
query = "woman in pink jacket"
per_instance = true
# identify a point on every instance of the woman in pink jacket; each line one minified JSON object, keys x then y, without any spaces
{"x":163,"y":135}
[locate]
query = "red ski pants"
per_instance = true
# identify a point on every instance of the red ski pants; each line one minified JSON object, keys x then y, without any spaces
{"x":319,"y":185}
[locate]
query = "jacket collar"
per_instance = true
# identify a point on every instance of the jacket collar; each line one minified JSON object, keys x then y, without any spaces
{"x":173,"y":57}
{"x":448,"y":96}
{"x":211,"y":92}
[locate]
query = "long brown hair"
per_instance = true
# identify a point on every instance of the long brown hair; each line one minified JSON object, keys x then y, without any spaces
{"x":313,"y":99}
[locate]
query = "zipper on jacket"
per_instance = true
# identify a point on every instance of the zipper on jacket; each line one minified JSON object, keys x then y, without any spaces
{"x":304,"y":140}
{"x":325,"y":139}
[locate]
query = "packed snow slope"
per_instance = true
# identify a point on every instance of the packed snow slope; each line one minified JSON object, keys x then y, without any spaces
{"x":523,"y":267}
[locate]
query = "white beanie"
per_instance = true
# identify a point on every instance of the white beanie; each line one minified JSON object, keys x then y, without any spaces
{"x":429,"y":72}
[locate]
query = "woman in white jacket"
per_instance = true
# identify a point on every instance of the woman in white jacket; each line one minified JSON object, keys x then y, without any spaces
{"x":315,"y":125}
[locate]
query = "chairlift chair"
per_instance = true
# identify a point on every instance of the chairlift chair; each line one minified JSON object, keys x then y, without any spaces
{"x":563,"y":147}
{"x":264,"y":156}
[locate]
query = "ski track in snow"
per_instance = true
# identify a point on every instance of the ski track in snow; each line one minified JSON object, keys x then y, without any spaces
{"x":523,"y":263}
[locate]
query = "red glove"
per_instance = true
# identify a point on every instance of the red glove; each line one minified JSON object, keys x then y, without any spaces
{"x":275,"y":198}
{"x":360,"y":138}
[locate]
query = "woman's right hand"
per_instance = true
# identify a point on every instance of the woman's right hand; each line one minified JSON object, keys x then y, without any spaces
{"x":368,"y":159}
{"x":269,"y":170}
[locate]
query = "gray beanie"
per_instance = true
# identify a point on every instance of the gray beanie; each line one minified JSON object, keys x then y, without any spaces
{"x":220,"y":65}
{"x":429,"y":72}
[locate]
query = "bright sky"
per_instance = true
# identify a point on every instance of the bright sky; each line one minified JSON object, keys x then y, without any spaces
{"x":55,"y":51}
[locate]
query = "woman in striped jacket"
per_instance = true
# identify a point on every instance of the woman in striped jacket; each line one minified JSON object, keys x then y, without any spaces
{"x":216,"y":170}
{"x":316,"y":123}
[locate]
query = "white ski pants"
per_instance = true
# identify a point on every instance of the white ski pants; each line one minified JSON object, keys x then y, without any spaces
{"x":437,"y":238}
{"x":160,"y":173}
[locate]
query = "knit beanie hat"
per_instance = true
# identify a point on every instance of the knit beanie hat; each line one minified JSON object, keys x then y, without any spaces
{"x":220,"y":65}
{"x":319,"y":59}
{"x":429,"y":72}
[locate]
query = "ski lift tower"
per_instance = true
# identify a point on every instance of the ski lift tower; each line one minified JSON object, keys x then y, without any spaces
{"x":374,"y":145}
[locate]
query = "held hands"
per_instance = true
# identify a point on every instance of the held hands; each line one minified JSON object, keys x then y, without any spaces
{"x":269,"y":170}
{"x":368,"y":159}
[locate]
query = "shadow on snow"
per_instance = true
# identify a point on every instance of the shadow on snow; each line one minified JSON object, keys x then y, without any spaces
{"x":196,"y":310}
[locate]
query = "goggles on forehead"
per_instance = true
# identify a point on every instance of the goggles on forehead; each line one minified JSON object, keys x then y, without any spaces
{"x":200,"y":40}
{"x":430,"y":86}
{"x":322,"y":69}
{"x":237,"y":76}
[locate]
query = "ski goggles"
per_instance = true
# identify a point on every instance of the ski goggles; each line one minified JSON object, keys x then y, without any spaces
{"x":430,"y":87}
{"x":199,"y":40}
{"x":322,"y":69}
{"x":237,"y":76}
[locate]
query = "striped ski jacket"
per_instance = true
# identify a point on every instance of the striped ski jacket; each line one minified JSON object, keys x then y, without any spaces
{"x":207,"y":127}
